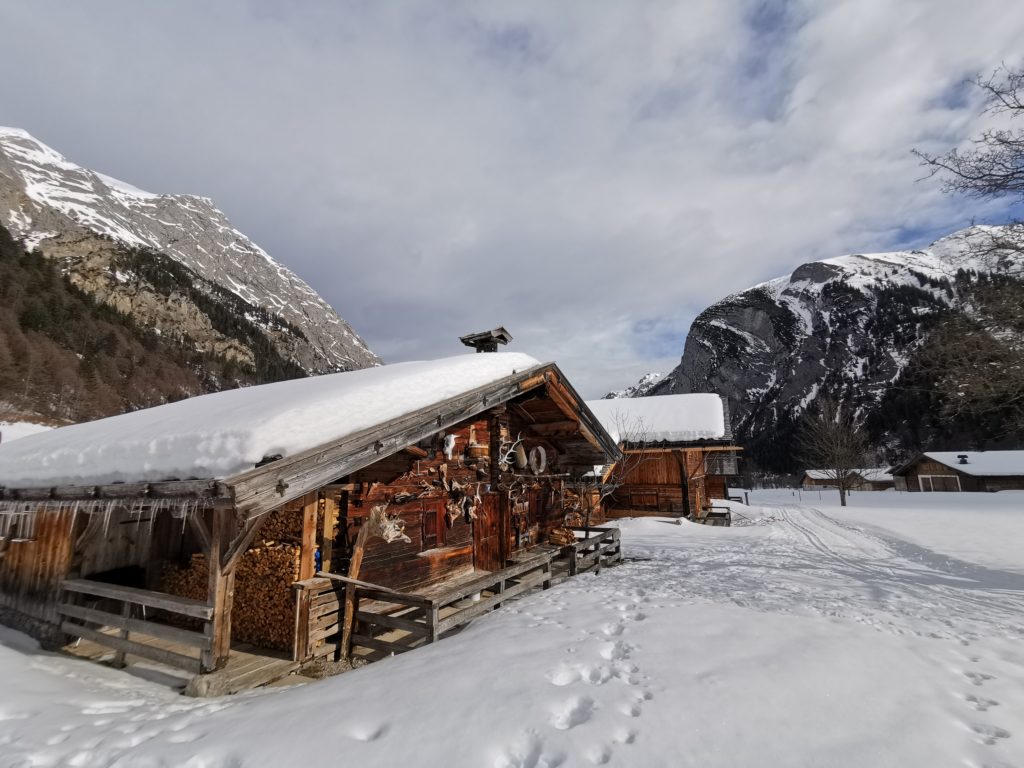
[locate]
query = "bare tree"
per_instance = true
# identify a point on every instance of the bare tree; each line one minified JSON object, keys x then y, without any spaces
{"x":977,"y":358}
{"x":830,"y":440}
{"x":589,"y":492}
{"x":993,"y":166}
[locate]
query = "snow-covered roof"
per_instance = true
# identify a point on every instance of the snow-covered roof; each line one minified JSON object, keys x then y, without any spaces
{"x":873,"y":474}
{"x":225,"y":433}
{"x":663,"y":418}
{"x":982,"y":463}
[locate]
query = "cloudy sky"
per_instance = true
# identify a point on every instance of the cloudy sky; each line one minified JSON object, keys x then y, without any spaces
{"x":589,"y":174}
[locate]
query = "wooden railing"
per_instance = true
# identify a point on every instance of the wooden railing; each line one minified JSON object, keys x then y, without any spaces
{"x":411,"y":619}
{"x":593,"y":548}
{"x":77,"y":594}
{"x":319,"y":606}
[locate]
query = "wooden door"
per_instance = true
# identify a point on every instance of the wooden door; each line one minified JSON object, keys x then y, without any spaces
{"x":487,"y":545}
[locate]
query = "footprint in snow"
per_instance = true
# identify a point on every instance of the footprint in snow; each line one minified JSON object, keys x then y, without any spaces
{"x":574,"y":711}
{"x":613,"y":629}
{"x":366,"y":731}
{"x":616,"y":651}
{"x":528,"y":752}
{"x":981,"y":704}
{"x":599,"y":755}
{"x":978,"y":678}
{"x":990,"y":734}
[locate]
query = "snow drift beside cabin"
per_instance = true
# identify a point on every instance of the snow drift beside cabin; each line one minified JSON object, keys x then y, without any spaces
{"x":664,"y":418}
{"x":222,"y":434}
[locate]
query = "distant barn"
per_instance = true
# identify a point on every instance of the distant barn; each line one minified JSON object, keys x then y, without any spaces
{"x":865,"y":479}
{"x":678,"y":454}
{"x":948,"y":471}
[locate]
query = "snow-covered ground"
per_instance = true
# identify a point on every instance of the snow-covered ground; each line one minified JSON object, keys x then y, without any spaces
{"x":890,"y":633}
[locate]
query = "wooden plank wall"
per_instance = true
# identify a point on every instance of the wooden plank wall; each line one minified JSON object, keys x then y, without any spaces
{"x":31,"y":571}
{"x":123,"y":539}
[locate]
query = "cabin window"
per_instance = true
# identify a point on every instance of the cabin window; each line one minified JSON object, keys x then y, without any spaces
{"x":433,"y":528}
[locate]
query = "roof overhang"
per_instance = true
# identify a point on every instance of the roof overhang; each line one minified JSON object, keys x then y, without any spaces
{"x":267,"y":487}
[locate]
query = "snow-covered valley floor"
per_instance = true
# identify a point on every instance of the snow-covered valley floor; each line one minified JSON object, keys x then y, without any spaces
{"x":890,"y":633}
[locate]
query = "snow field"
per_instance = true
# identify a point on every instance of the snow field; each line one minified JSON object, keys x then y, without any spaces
{"x":803,"y":638}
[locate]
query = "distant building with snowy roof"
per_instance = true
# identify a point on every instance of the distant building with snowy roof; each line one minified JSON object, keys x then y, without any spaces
{"x":678,"y":454}
{"x":865,"y":479}
{"x":962,"y":471}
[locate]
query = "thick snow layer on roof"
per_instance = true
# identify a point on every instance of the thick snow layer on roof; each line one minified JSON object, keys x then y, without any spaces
{"x":662,"y":418}
{"x":982,"y":463}
{"x":874,"y":474}
{"x":222,"y":434}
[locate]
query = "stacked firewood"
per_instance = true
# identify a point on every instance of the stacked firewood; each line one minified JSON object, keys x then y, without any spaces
{"x":263,"y":608}
{"x":561,"y":536}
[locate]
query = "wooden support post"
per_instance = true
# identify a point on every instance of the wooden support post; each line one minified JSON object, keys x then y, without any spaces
{"x":350,"y":589}
{"x":221,"y":592}
{"x":331,"y":511}
{"x":302,"y":648}
{"x":433,"y":617}
{"x":126,"y":612}
{"x":307,"y":564}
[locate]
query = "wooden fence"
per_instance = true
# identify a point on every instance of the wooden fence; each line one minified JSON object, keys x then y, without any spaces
{"x":594,"y":547}
{"x":410,"y":619}
{"x":84,"y":601}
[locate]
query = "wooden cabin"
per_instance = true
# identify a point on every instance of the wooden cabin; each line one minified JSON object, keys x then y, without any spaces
{"x":678,"y":455}
{"x":866,"y":479}
{"x":946,"y":471}
{"x":241,"y":534}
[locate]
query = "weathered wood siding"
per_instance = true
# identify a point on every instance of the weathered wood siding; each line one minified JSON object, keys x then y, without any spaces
{"x":31,"y":571}
{"x":934,"y":469}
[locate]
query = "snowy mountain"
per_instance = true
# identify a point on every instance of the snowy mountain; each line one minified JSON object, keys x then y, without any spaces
{"x":641,"y":388}
{"x":847,"y":326}
{"x":114,"y":241}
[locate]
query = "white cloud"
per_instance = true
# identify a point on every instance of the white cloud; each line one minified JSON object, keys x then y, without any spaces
{"x":590,"y":175}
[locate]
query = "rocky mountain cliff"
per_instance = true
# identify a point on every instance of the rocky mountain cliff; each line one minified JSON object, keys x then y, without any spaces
{"x":142,"y":253}
{"x":850,"y":327}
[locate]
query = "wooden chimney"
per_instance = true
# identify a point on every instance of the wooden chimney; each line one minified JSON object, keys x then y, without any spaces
{"x":487,"y":341}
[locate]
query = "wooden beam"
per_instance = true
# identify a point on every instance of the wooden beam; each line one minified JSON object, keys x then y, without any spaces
{"x":213,"y":490}
{"x":130,"y":647}
{"x":183,"y":605}
{"x":200,"y":530}
{"x":564,"y":428}
{"x":139,"y":626}
{"x":221,"y":593}
{"x":307,"y":563}
{"x":241,"y":542}
{"x":331,"y":511}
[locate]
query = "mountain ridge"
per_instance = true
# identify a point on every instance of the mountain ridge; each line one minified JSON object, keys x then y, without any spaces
{"x":849,"y":327}
{"x":72,"y":214}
